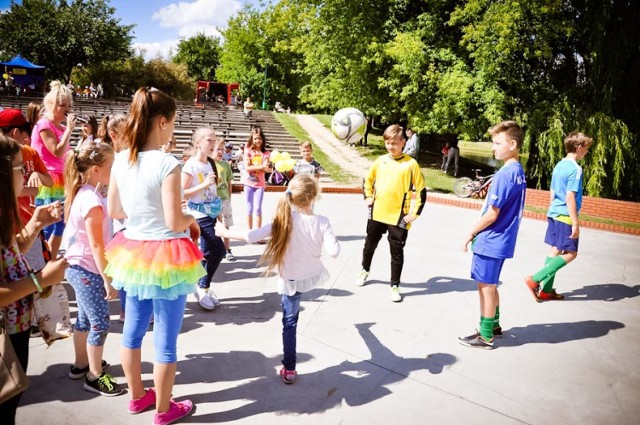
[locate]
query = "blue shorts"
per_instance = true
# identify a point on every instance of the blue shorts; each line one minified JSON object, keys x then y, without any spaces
{"x":558,"y":236}
{"x":55,"y":229}
{"x":486,"y":269}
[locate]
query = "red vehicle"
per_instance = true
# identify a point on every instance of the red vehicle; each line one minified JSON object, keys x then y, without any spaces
{"x":212,"y":92}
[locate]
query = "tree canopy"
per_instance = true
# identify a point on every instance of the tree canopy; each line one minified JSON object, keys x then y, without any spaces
{"x":61,"y":34}
{"x":457,"y":67}
{"x":200,"y":54}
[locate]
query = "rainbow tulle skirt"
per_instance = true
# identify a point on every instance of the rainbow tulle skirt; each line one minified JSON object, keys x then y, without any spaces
{"x":158,"y":269}
{"x":47,"y":195}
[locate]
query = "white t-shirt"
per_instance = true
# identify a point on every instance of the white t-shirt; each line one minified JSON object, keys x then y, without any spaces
{"x":140,"y":188}
{"x":302,"y":260}
{"x":199,"y":172}
{"x":75,"y":239}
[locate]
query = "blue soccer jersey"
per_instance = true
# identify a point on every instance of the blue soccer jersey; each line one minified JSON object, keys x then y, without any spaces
{"x":507,"y":193}
{"x":566,"y":177}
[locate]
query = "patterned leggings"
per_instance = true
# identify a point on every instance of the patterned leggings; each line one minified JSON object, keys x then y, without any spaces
{"x":93,"y":309}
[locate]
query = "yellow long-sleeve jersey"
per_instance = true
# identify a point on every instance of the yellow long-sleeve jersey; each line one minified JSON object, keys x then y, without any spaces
{"x":392,"y":182}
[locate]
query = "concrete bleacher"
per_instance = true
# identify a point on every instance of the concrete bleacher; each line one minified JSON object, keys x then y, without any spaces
{"x":229,"y":123}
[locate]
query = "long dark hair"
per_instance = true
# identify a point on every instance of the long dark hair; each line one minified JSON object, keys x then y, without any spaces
{"x":148,"y":104}
{"x":257,"y":130}
{"x":10,"y":221}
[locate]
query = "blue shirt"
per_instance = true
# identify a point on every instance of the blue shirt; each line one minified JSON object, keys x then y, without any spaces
{"x":507,"y":193}
{"x":566,"y":177}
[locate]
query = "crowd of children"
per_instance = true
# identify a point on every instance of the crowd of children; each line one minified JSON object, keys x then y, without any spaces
{"x":128,"y":215}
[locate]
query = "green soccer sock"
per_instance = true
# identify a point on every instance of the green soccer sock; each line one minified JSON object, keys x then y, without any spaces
{"x":486,"y":327}
{"x":550,"y":269}
{"x":547,"y":283}
{"x":496,"y":318}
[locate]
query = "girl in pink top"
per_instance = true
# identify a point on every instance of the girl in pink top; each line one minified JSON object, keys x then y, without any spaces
{"x":51,"y":140}
{"x":256,"y":163}
{"x":87,"y":232}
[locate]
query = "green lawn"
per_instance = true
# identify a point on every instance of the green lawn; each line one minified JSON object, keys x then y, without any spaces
{"x":430,"y":165}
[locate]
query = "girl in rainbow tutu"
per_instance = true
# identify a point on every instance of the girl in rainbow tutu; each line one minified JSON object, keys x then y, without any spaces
{"x":153,"y":258}
{"x":52,"y":141}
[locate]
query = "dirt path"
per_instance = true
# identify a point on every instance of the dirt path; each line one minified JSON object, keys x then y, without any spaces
{"x":346,"y":157}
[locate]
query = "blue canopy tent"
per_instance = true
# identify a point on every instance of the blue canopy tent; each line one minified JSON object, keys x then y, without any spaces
{"x":24,"y":72}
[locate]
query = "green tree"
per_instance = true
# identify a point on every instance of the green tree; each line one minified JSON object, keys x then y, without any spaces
{"x":242,"y":56}
{"x":266,"y":42}
{"x":200,"y":54}
{"x":60,"y":34}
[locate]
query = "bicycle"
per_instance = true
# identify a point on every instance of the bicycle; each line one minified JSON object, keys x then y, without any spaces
{"x":464,"y":187}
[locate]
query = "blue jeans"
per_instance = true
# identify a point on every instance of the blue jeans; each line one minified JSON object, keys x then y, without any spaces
{"x":290,"y":312}
{"x":212,"y":248}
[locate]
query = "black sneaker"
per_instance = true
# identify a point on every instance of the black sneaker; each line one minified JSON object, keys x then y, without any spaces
{"x":497,"y":332}
{"x":103,"y":385}
{"x":80,"y":372}
{"x":477,"y":342}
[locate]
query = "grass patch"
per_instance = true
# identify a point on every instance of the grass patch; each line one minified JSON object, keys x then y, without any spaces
{"x":293,"y":127}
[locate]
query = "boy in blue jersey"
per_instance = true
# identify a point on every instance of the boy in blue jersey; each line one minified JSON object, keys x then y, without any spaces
{"x":563,"y":229}
{"x":395,"y":192}
{"x":494,"y":234}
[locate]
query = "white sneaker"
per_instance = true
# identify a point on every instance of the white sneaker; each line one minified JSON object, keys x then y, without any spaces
{"x":395,"y":294}
{"x":204,"y":298}
{"x":214,"y":298}
{"x":362,"y":278}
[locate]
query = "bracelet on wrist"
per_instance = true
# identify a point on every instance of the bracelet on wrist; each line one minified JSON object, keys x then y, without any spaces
{"x":35,"y":281}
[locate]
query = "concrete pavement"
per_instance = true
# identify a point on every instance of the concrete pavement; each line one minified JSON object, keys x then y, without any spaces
{"x":366,"y":360}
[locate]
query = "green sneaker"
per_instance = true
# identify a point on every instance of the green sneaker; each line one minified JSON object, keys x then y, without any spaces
{"x":362,"y":278}
{"x":104,"y":384}
{"x":395,"y":294}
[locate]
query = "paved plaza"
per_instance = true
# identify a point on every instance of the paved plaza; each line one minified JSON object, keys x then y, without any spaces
{"x":366,"y":360}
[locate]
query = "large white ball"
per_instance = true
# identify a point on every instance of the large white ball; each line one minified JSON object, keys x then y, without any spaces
{"x":348,"y":125}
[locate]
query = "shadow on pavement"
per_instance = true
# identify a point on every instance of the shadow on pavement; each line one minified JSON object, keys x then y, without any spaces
{"x":603,"y":292}
{"x":354,"y":383}
{"x":440,"y":285}
{"x":555,"y":333}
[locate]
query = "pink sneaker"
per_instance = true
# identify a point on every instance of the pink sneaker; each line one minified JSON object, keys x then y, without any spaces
{"x":143,"y":403}
{"x":288,"y":376}
{"x":177,"y":410}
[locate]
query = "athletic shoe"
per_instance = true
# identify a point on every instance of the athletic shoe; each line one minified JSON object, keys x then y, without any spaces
{"x":549,"y":296}
{"x":476,"y":341}
{"x":533,"y":287}
{"x":177,"y":410}
{"x":362,"y":278}
{"x":204,"y":298}
{"x":141,"y":404}
{"x":288,"y":376}
{"x":104,"y":385}
{"x":395,"y":294}
{"x":214,"y":298}
{"x":35,"y":332}
{"x":497,"y":333}
{"x":80,"y":372}
{"x":230,"y":257}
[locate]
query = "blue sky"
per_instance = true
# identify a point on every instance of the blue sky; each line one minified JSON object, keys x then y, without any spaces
{"x":161,"y":23}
